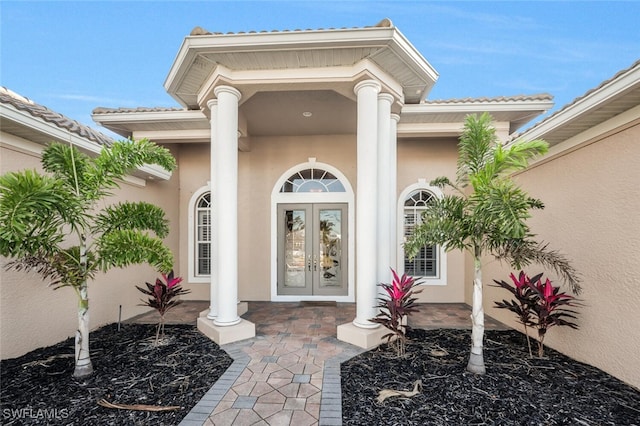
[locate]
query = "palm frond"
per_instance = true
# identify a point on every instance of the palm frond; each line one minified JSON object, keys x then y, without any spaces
{"x":523,"y":252}
{"x":124,"y":247}
{"x":60,"y":269}
{"x":124,"y":156}
{"x":441,"y":225}
{"x":441,"y":182}
{"x":504,"y":208}
{"x":475,"y":147}
{"x":33,"y":210}
{"x":39,"y":263}
{"x":66,"y":163}
{"x":140,"y":216}
{"x":517,"y":155}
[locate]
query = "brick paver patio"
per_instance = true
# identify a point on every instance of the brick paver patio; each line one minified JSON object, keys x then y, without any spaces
{"x":289,"y":374}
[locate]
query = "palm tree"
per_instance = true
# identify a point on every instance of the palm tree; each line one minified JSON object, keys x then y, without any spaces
{"x":52,"y":223}
{"x":486,"y":214}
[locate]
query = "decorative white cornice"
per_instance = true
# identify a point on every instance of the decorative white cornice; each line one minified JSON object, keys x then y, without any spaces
{"x":119,"y":115}
{"x":202,"y":54}
{"x":479,"y":105}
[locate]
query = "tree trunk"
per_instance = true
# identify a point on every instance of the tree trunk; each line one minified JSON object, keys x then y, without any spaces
{"x":83,"y":361}
{"x":83,"y":367}
{"x":476,"y":358}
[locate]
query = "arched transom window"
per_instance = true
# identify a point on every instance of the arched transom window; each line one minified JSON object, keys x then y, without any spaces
{"x":312,"y":180}
{"x":203,"y":235}
{"x":426,"y":262}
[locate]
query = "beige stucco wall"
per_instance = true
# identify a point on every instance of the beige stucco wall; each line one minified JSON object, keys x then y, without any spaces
{"x":429,"y":159}
{"x":259,"y":170}
{"x":33,"y":315}
{"x":194,"y":174}
{"x":591,"y":215}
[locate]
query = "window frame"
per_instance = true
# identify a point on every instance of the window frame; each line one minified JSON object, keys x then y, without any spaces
{"x":193,"y":242}
{"x":441,"y":277}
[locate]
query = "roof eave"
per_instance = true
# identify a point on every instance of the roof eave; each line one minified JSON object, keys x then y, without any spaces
{"x":383,"y":37}
{"x":55,"y":133}
{"x":472,"y":107}
{"x":586,"y":103}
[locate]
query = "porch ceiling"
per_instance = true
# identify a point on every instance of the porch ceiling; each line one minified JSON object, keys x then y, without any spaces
{"x":284,"y":113}
{"x":281,"y":113}
{"x":270,"y":113}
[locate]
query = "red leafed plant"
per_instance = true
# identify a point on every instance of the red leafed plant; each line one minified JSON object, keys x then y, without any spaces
{"x":538,"y":304}
{"x":395,"y":306}
{"x":162,"y":297}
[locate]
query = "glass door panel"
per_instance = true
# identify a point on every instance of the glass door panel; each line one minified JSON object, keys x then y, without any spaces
{"x":330,"y":247}
{"x":310,"y":255}
{"x":295,"y":248}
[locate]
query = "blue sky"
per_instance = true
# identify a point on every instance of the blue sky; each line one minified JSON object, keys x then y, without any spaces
{"x":75,"y":56}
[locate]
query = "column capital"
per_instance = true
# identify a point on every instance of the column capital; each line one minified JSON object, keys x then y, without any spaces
{"x":386,"y":97}
{"x":227,"y":89}
{"x":368,"y":83}
{"x":395,"y":117}
{"x":212,"y":103}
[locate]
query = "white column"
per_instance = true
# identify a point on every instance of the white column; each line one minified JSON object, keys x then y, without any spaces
{"x":384,"y":189}
{"x":366,"y":202}
{"x":226,"y":190}
{"x":393,"y":194}
{"x":213,"y":262}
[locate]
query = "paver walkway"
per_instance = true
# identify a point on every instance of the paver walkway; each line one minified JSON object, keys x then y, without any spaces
{"x":289,"y":374}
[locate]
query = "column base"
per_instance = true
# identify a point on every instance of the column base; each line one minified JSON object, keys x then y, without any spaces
{"x":366,"y":338}
{"x":229,"y":334}
{"x":243,"y":307}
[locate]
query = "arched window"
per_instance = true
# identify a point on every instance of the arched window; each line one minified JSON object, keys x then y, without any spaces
{"x":312,"y":180}
{"x":202,"y":237}
{"x":427,"y":262}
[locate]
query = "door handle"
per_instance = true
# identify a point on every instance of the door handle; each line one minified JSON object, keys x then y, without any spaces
{"x":315,"y":263}
{"x":309,"y":262}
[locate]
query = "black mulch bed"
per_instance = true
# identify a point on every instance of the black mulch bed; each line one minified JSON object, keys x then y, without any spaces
{"x":516,"y":390}
{"x":38,"y":388}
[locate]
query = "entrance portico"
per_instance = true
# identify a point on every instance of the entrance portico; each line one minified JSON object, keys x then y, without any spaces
{"x":371,"y":88}
{"x":374,"y":216}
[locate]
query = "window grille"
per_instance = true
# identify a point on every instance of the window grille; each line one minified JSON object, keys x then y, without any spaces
{"x":426,"y":262}
{"x":203,"y":236}
{"x":312,"y":180}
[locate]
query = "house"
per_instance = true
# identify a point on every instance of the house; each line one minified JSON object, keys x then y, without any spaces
{"x":589,"y":182}
{"x":287,"y":187}
{"x":292,"y":139}
{"x":304,"y":158}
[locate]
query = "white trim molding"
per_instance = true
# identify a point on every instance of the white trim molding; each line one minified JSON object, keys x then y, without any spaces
{"x":346,"y":197}
{"x":191,"y":231}
{"x":441,"y":279}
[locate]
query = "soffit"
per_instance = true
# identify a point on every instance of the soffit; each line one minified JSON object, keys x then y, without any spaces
{"x":515,"y":110}
{"x":611,"y":98}
{"x":202,"y":52}
{"x":125,"y":121}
